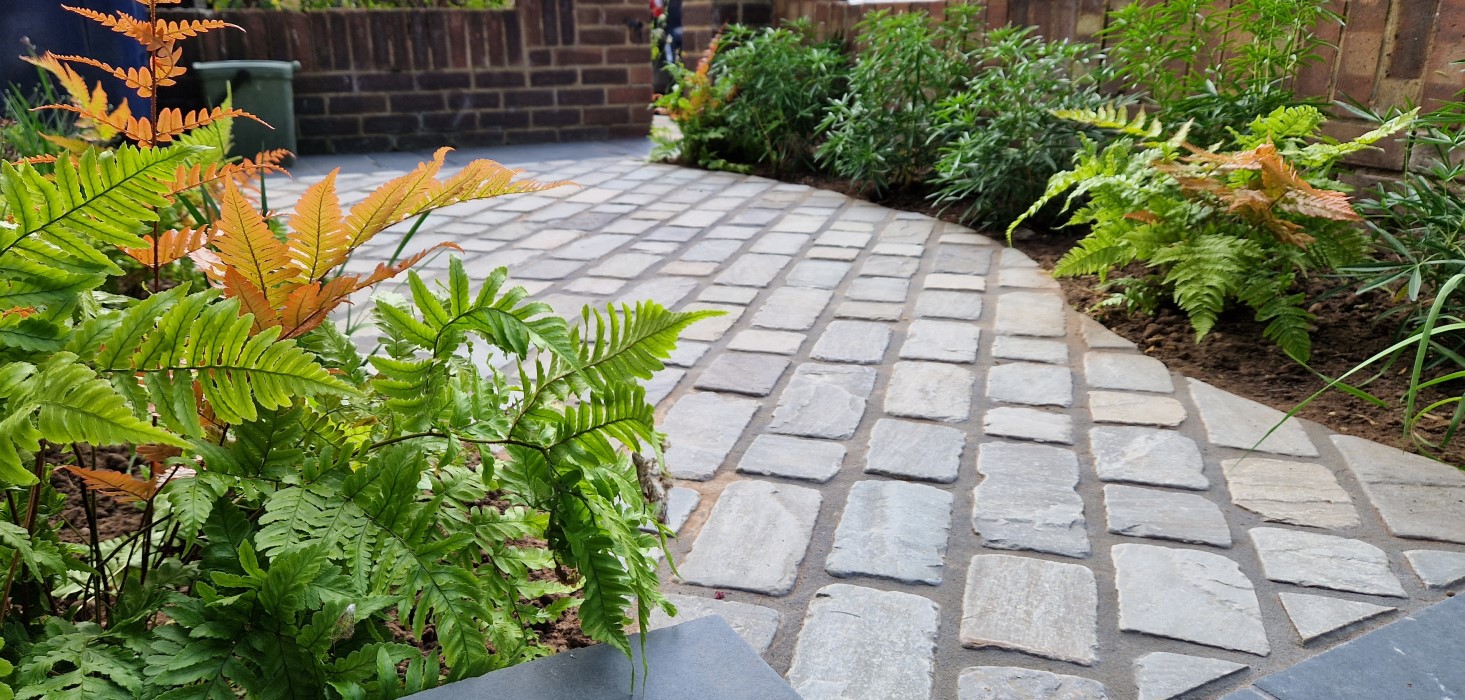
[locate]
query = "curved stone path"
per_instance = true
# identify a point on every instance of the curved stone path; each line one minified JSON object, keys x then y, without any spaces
{"x":906,"y":469}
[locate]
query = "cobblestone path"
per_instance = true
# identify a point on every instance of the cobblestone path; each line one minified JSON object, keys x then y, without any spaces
{"x":907,"y":470}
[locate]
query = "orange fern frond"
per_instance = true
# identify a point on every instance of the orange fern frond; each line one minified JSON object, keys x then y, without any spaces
{"x":252,"y":299}
{"x":156,"y":454}
{"x":246,"y":245}
{"x":480,"y":179}
{"x":385,"y":271}
{"x":146,"y":82}
{"x":38,"y":160}
{"x":172,"y":245}
{"x":1322,"y":204}
{"x":393,"y":201}
{"x":151,"y":36}
{"x":19,"y":311}
{"x":66,"y":77}
{"x":309,"y":304}
{"x":120,"y":487}
{"x":173,"y":122}
{"x":318,"y":239}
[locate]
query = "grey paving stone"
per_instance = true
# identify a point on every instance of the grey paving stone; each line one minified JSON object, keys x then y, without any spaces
{"x":1296,"y":493}
{"x":776,"y":342}
{"x":1028,"y":424}
{"x":725,"y":557}
{"x":1162,"y":675}
{"x":1097,"y":337}
{"x":1233,"y":421}
{"x":625,"y":265}
{"x":595,"y":285}
{"x":780,"y":243}
{"x":1147,"y":456}
{"x":680,"y":502}
{"x":753,"y":374}
{"x":1037,"y":607}
{"x":1135,"y":409}
{"x":710,"y":329}
{"x":962,"y":259}
{"x":1416,"y":496}
{"x":702,"y":428}
{"x":1423,"y":651}
{"x":870,"y":311}
{"x":1247,"y":694}
{"x":930,"y":390}
{"x":963,"y":306}
{"x":860,"y":342}
{"x":843,"y":239}
{"x":1031,"y":313}
{"x":1324,"y":561}
{"x":889,"y":289}
{"x":943,"y":341}
{"x":673,"y":234}
{"x":755,"y":624}
{"x":894,"y":530}
{"x":862,"y":644}
{"x":712,"y":250}
{"x":547,"y":269}
{"x":792,"y":308}
{"x":1188,"y":595}
{"x":737,"y":233}
{"x":1165,"y":515}
{"x":728,"y":295}
{"x":1126,"y":371}
{"x":909,"y":250}
{"x":697,"y":219}
{"x":753,"y":270}
{"x":916,"y":229}
{"x":688,"y":269}
{"x":1014,"y":683}
{"x":889,"y":266}
{"x":800,"y":224}
{"x":823,"y":401}
{"x":1030,"y":383}
{"x":965,"y":236}
{"x":654,"y":247}
{"x":1314,"y":616}
{"x":831,"y":253}
{"x":1012,"y":257}
{"x":921,"y":451}
{"x":1435,"y":568}
{"x":667,"y":291}
{"x":1027,"y":278}
{"x":687,"y":353}
{"x":1015,"y":347}
{"x":793,"y":458}
{"x":960,"y":283}
{"x":662,"y":384}
{"x":1026,"y":499}
{"x":820,"y":274}
{"x":629,"y":225}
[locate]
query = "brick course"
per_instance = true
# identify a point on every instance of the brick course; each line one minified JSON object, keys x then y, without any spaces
{"x":546,"y":70}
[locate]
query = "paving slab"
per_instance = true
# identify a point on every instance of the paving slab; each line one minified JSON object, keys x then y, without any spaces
{"x":1126,"y":371}
{"x":756,"y":624}
{"x":1314,"y":615}
{"x":1031,"y":313}
{"x":752,"y":374}
{"x":823,"y":401}
{"x":1030,"y":383}
{"x":1188,"y":595}
{"x":1047,"y":609}
{"x":858,"y":643}
{"x":723,"y":557}
{"x":1324,"y":561}
{"x":1163,"y":675}
{"x":1013,"y":347}
{"x":962,"y":259}
{"x":1294,"y":493}
{"x":930,"y":390}
{"x":1416,"y":496}
{"x":889,"y":266}
{"x":1165,"y":515}
{"x":793,"y":458}
{"x":1027,"y":500}
{"x":955,"y":282}
{"x":887,"y":289}
{"x":820,"y":274}
{"x":1014,"y":683}
{"x":1233,"y":421}
{"x":702,"y":428}
{"x":1028,"y":424}
{"x":892,"y":530}
{"x":919,"y":451}
{"x":1435,"y":568}
{"x":775,"y":342}
{"x":792,"y":308}
{"x":1151,"y":456}
{"x":860,"y":342}
{"x":753,"y":270}
{"x":961,"y":306}
{"x":942,"y":341}
{"x":1136,"y":409}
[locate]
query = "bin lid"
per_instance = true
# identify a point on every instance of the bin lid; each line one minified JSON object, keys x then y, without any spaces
{"x":281,"y":70}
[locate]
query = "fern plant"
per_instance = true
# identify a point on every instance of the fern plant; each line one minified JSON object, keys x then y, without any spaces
{"x":311,"y":522}
{"x":1213,"y":229}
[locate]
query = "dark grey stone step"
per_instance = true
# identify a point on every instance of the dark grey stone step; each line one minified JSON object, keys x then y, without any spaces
{"x":703,"y":659}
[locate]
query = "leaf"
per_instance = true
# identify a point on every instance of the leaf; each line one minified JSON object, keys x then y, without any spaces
{"x":318,"y":241}
{"x":172,"y":245}
{"x":124,"y":488}
{"x":247,"y":246}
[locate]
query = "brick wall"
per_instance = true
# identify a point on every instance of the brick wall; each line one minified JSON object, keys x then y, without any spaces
{"x":372,"y":80}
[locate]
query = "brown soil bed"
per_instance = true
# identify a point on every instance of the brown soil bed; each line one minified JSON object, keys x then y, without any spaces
{"x":1235,"y":356}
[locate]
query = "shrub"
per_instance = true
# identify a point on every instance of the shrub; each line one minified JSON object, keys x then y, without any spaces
{"x":696,"y":104}
{"x":1000,"y":139}
{"x":312,"y":522}
{"x":760,"y":99}
{"x":1217,"y":63}
{"x":1214,"y":228}
{"x":878,"y":134}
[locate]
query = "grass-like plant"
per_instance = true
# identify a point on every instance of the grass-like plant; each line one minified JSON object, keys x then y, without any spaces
{"x":1213,"y":228}
{"x":311,"y":522}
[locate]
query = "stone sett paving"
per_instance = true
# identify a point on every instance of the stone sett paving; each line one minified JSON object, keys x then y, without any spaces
{"x":912,"y":472}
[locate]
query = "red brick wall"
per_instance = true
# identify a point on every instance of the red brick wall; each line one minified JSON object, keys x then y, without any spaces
{"x":371,"y":80}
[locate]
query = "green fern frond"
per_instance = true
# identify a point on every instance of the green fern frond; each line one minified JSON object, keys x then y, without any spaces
{"x":1204,"y":272}
{"x":1115,"y":116}
{"x":94,"y":668}
{"x":1283,"y":123}
{"x":1322,"y":154}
